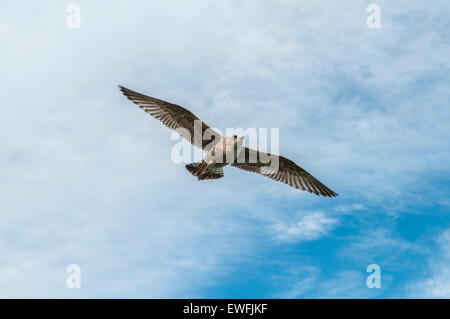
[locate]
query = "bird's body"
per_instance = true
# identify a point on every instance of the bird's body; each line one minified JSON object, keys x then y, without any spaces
{"x":222,"y":150}
{"x":226,"y":150}
{"x":223,"y":153}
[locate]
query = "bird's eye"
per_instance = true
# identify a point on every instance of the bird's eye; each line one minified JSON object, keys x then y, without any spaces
{"x":235,"y":136}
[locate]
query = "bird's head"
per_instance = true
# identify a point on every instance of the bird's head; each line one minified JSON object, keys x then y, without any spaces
{"x":238,"y":137}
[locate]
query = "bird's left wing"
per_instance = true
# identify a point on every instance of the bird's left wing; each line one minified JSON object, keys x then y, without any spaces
{"x":176,"y":118}
{"x":287,"y":171}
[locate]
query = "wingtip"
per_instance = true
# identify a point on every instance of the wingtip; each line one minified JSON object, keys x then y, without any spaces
{"x":125,"y":91}
{"x":334,"y":195}
{"x":330,"y":194}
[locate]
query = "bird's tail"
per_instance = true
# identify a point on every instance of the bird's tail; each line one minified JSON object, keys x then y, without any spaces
{"x":202,"y":171}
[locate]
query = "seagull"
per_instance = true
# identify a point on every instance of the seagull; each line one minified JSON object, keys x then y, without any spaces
{"x":232,"y":148}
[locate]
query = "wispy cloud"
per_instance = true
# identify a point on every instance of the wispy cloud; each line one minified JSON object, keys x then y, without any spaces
{"x":378,"y":245}
{"x":310,"y":282}
{"x":436,"y":283}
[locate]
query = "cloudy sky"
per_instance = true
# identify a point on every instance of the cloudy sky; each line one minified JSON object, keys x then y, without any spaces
{"x":86,"y":177}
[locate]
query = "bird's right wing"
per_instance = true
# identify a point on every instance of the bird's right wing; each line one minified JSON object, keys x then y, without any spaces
{"x":176,"y":118}
{"x":286,"y":171}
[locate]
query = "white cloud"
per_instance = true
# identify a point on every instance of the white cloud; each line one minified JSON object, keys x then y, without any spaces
{"x":348,"y":209}
{"x":310,"y":226}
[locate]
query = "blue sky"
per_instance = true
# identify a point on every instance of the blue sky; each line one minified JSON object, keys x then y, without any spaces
{"x":86,"y":177}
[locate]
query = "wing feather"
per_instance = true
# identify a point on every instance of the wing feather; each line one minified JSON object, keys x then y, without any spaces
{"x":174,"y":117}
{"x":288,"y":172}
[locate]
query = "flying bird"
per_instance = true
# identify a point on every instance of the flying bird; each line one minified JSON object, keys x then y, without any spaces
{"x":219,"y":147}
